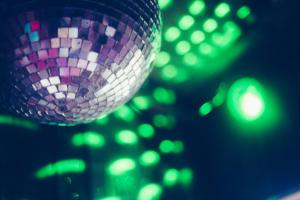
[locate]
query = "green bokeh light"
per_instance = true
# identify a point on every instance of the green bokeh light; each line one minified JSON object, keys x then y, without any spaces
{"x":146,"y":130}
{"x":151,"y":191}
{"x":121,"y":166}
{"x":183,"y":47}
{"x":149,"y":158}
{"x":186,"y":22}
{"x":205,"y":109}
{"x":197,"y":7}
{"x":210,"y":25}
{"x":89,"y":138}
{"x":197,"y":37}
{"x":222,"y":10}
{"x":126,"y":137}
{"x":172,"y":34}
{"x":246,"y":99}
{"x":171,"y":177}
{"x":243,"y":12}
{"x":164,"y":4}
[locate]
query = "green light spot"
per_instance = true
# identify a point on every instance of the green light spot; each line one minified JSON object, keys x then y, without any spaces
{"x":186,"y":177}
{"x":149,"y":158}
{"x":197,"y":37}
{"x":197,"y":7}
{"x":12,"y":121}
{"x":171,"y":177}
{"x":207,"y":49}
{"x":102,"y":120}
{"x":60,"y":168}
{"x":172,"y":34}
{"x":243,"y":12}
{"x":166,"y":146}
{"x":205,"y":109}
{"x":222,"y":10}
{"x":164,"y":96}
{"x":246,"y":100}
{"x":178,"y":147}
{"x":162,"y":59}
{"x":126,"y":137}
{"x":182,"y":47}
{"x":169,"y":72}
{"x":210,"y":25}
{"x":125,"y":113}
{"x":146,"y":131}
{"x":190,"y":59}
{"x":164,"y":4}
{"x":142,"y":102}
{"x":163,"y":121}
{"x":90,"y":139}
{"x":150,"y":192}
{"x":186,"y":22}
{"x":121,"y":166}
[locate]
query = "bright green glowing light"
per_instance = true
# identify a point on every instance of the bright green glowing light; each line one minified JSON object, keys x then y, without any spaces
{"x":125,"y":113}
{"x":222,"y":10}
{"x":169,"y":72}
{"x":246,"y":99}
{"x":205,"y":109}
{"x":172,"y":34}
{"x":164,"y":96}
{"x":121,"y":166}
{"x":151,"y":191}
{"x":186,"y":176}
{"x":210,"y":25}
{"x":146,"y":131}
{"x":220,"y":97}
{"x":126,"y":137}
{"x":60,"y":168}
{"x":243,"y":12}
{"x":171,"y":177}
{"x":163,"y":121}
{"x":197,"y":37}
{"x":186,"y":22}
{"x":164,"y":4}
{"x":197,"y":7}
{"x":162,"y":59}
{"x":166,"y":146}
{"x":182,"y":47}
{"x":149,"y":158}
{"x":90,"y":139}
{"x":142,"y":102}
{"x":190,"y":59}
{"x":102,"y":120}
{"x":12,"y":121}
{"x":110,"y":198}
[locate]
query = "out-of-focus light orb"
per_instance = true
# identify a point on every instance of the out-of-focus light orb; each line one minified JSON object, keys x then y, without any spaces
{"x":246,"y":99}
{"x":68,"y":62}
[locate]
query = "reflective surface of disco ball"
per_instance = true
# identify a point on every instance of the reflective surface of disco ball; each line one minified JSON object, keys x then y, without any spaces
{"x":68,"y":62}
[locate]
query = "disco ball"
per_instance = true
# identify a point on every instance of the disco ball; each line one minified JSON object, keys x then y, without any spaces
{"x":68,"y":62}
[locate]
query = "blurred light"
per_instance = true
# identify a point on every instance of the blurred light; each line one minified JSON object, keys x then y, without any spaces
{"x":151,"y":191}
{"x":222,"y":10}
{"x":197,"y":37}
{"x":186,"y":177}
{"x":121,"y":166}
{"x":60,"y":168}
{"x":182,"y":47}
{"x":171,"y":177}
{"x":169,"y":72}
{"x":162,"y":59}
{"x":246,"y":99}
{"x":190,"y":59}
{"x":172,"y":34}
{"x":125,"y":113}
{"x":243,"y":12}
{"x":146,"y":131}
{"x":149,"y":158}
{"x":141,"y":102}
{"x":12,"y":121}
{"x":126,"y":137}
{"x":197,"y":7}
{"x":163,"y":121}
{"x":164,"y":96}
{"x":166,"y":146}
{"x":210,"y":25}
{"x":90,"y":139}
{"x":110,"y":198}
{"x":207,"y":49}
{"x":164,"y":4}
{"x":178,"y":147}
{"x":186,"y":22}
{"x":205,"y":109}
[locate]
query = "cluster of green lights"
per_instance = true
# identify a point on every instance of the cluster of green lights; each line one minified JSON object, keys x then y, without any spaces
{"x":12,"y":121}
{"x":90,"y":139}
{"x":168,"y":146}
{"x":194,"y":42}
